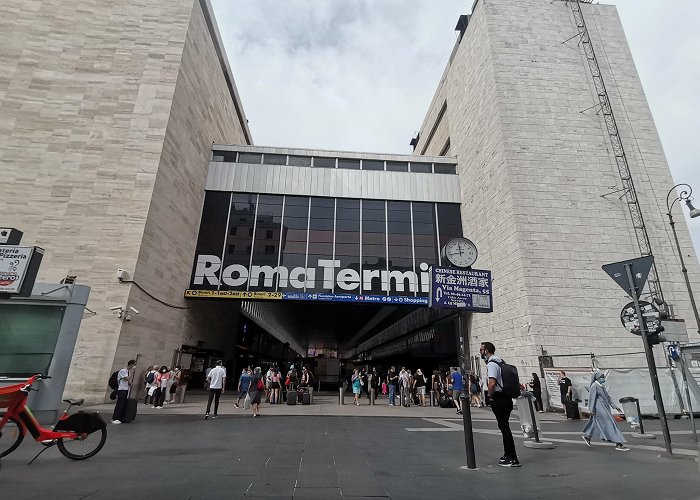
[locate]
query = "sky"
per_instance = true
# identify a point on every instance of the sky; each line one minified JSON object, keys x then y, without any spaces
{"x":359,"y":75}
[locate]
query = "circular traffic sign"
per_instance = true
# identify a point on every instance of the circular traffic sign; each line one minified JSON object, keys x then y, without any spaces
{"x":628,"y":317}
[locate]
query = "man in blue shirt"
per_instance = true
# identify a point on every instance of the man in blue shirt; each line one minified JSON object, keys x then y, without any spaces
{"x":457,"y":388}
{"x":243,"y":385}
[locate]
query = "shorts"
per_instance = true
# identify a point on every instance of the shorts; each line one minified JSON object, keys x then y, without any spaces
{"x":421,"y":390}
{"x":456,"y":393}
{"x":275,"y":385}
{"x":173,"y":389}
{"x":355,"y":390}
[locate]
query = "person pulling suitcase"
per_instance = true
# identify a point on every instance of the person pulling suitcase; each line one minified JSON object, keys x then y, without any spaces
{"x":123,"y":386}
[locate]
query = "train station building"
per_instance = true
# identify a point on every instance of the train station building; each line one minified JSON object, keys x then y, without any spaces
{"x":127,"y":156}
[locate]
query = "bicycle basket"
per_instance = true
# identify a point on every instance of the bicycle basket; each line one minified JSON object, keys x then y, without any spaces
{"x":9,"y":394}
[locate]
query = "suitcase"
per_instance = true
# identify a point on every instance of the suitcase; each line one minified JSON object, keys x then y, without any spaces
{"x":572,"y":411}
{"x":130,"y":412}
{"x":291,"y":398}
{"x":306,"y":399}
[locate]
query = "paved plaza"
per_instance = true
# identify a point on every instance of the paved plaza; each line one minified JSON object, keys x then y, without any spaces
{"x":326,"y":451}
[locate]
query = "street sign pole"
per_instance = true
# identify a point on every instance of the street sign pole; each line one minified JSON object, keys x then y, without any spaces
{"x":650,"y":359}
{"x":466,"y":407}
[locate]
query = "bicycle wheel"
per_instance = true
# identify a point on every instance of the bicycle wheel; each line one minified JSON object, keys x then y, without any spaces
{"x":11,"y":436}
{"x":87,"y":444}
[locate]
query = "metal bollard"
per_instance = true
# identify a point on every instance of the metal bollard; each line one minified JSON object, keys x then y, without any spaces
{"x":372,"y":397}
{"x":341,"y":396}
{"x":536,"y":443}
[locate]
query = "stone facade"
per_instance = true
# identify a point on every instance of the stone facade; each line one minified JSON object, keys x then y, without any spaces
{"x":533,"y":169}
{"x":107,"y":117}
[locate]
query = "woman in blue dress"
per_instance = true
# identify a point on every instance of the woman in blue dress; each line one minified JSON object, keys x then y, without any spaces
{"x":356,"y":386}
{"x":601,"y":424}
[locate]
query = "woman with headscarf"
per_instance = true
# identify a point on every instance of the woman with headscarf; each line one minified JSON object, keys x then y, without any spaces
{"x":601,"y":423}
{"x":256,"y":389}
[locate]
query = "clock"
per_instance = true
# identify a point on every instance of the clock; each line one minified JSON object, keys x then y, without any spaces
{"x":460,"y":252}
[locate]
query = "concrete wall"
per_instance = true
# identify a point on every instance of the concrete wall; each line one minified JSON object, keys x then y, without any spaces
{"x":533,"y":170}
{"x":104,"y":138}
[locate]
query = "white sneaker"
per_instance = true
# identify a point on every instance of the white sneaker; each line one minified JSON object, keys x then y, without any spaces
{"x":115,"y":422}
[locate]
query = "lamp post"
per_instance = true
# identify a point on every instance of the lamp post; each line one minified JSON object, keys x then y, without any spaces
{"x":694,"y":212}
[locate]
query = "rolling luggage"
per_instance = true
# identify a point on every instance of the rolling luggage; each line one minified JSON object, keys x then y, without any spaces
{"x":306,"y":399}
{"x":130,"y":412}
{"x":291,"y":398}
{"x":572,"y":411}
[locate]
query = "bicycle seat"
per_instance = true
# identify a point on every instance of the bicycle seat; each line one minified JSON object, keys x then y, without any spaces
{"x":76,"y":402}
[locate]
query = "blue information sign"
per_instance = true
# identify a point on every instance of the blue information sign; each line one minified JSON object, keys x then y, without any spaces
{"x":467,"y":289}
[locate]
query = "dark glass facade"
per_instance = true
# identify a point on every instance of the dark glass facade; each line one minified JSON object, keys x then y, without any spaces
{"x":320,"y":245}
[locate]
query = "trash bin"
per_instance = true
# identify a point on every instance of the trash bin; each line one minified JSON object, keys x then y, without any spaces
{"x":529,"y":423}
{"x":633,"y":416}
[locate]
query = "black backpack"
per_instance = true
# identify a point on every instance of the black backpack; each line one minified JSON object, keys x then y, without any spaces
{"x":150,"y":377}
{"x":113,"y":381}
{"x":510,"y":378}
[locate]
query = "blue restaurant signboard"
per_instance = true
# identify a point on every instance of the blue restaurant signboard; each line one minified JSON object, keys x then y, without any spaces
{"x":466,"y":289}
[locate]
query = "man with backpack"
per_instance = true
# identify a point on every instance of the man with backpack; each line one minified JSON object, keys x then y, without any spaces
{"x":122,"y":388}
{"x":503,"y":384}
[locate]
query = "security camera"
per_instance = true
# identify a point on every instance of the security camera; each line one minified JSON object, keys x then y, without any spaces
{"x":133,"y":310}
{"x":116,"y":308}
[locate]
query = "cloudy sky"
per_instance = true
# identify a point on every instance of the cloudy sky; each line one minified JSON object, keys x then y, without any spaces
{"x":359,"y":75}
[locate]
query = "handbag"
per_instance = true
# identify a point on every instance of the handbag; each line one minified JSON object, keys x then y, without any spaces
{"x":246,"y":402}
{"x":113,"y":395}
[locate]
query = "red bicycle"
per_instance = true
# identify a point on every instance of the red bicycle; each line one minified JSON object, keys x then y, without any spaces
{"x":78,"y":436}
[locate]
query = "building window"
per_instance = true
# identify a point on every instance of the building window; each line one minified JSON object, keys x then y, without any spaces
{"x":322,"y":162}
{"x":232,"y":249}
{"x":234,"y":230}
{"x":294,"y":231}
{"x":372,"y":165}
{"x":300,"y":161}
{"x":255,"y":158}
{"x":269,"y":234}
{"x":272,"y":159}
{"x":373,"y":245}
{"x":269,"y":225}
{"x":424,"y":168}
{"x":218,"y":158}
{"x":400,"y":247}
{"x":349,"y":163}
{"x":250,"y":232}
{"x":227,"y":156}
{"x":269,"y":249}
{"x":397,"y":166}
{"x":320,"y":234}
{"x":445,"y":168}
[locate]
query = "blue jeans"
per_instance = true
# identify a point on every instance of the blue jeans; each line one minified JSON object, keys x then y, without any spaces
{"x":392,"y":394}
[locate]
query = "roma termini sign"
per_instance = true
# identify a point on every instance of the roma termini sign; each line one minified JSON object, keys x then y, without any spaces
{"x":338,"y":285}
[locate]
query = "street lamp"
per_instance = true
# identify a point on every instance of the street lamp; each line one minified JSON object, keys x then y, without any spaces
{"x":694,"y":212}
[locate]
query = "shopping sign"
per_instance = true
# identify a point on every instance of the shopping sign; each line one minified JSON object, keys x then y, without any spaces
{"x":465,"y":289}
{"x":18,"y":268}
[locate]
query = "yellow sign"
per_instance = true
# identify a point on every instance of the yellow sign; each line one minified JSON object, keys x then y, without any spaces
{"x":232,"y":294}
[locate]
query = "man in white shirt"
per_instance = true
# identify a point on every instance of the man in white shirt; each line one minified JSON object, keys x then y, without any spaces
{"x":217,"y":383}
{"x":123,"y":385}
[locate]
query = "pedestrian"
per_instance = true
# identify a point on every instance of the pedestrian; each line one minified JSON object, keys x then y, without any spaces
{"x":536,"y":387}
{"x":365,"y":377}
{"x":392,"y":379}
{"x":565,"y":389}
{"x":405,"y":381}
{"x":256,"y":390}
{"x":161,"y":382}
{"x":123,"y":385}
{"x":356,"y":386}
{"x":206,"y":375}
{"x":374,"y":382}
{"x":217,"y":386}
{"x":501,"y":404}
{"x":419,"y":383}
{"x":150,"y":380}
{"x":243,"y":385}
{"x":275,"y":384}
{"x":457,"y":388}
{"x":268,"y":384}
{"x":601,"y":424}
{"x":175,"y":382}
{"x":475,"y":390}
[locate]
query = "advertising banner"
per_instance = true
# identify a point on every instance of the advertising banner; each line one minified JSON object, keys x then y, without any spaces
{"x":14,"y":267}
{"x":466,"y":289}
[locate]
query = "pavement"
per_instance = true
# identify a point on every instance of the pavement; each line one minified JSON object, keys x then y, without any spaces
{"x":326,"y":451}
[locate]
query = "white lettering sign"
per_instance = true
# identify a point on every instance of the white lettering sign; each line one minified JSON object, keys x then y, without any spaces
{"x":208,"y":271}
{"x":14,"y":262}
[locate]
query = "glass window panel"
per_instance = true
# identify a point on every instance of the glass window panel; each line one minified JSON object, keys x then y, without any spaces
{"x":347,"y":238}
{"x":250,"y":158}
{"x":320,"y":236}
{"x":424,"y":234}
{"x":227,"y":156}
{"x":300,"y":161}
{"x":397,"y":166}
{"x":445,"y":168}
{"x":349,"y":163}
{"x":217,"y":158}
{"x":267,"y":238}
{"x":400,"y":246}
{"x":294,"y":233}
{"x":240,"y":231}
{"x":373,"y":242}
{"x":274,"y":159}
{"x":212,"y":230}
{"x":449,"y":222}
{"x":324,"y":162}
{"x":372,"y":165}
{"x":421,"y":167}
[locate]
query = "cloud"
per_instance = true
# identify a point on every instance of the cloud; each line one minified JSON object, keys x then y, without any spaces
{"x":359,"y":75}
